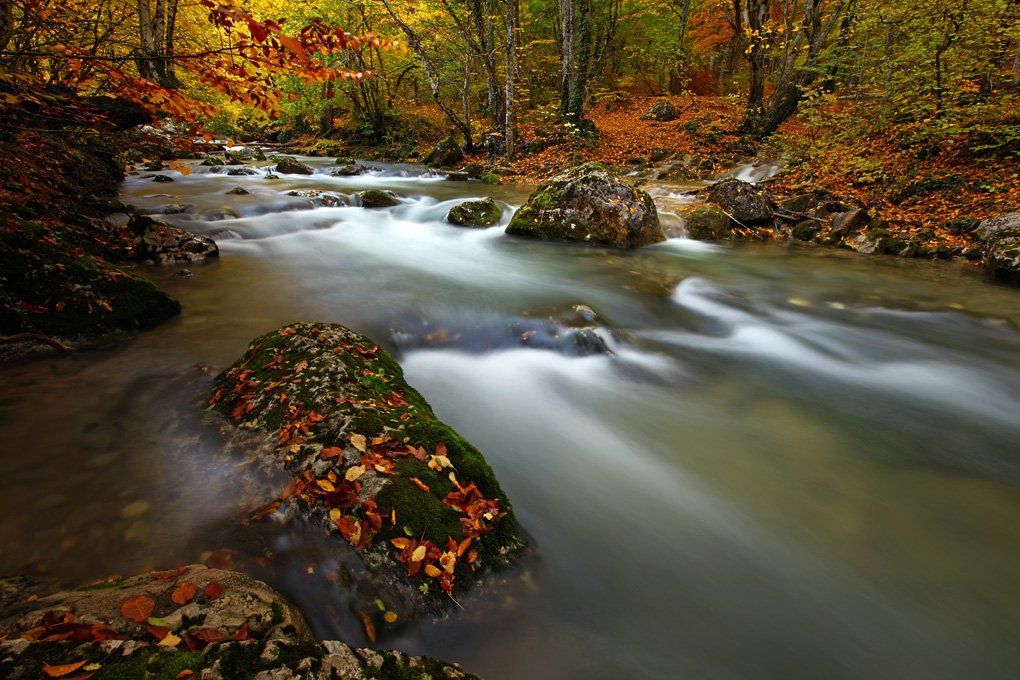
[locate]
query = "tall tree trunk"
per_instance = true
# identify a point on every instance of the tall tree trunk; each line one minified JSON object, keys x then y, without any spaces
{"x":568,"y":25}
{"x":147,"y":41}
{"x":481,"y":18}
{"x":6,"y":22}
{"x":582,"y":61}
{"x":169,"y":74}
{"x":510,"y":123}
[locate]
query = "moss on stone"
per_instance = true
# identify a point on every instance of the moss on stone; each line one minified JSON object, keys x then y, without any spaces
{"x":484,"y":213}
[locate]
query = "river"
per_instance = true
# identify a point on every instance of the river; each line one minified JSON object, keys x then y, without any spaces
{"x":795,"y":462}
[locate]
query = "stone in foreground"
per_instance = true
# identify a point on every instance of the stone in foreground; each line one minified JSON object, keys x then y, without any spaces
{"x":402,"y":493}
{"x":1000,"y":241}
{"x":192,"y":622}
{"x":484,"y":213}
{"x":588,"y":204}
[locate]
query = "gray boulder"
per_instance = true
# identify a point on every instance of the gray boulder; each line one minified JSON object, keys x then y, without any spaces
{"x":588,"y":204}
{"x":707,"y":223}
{"x":662,"y":111}
{"x":446,"y":153}
{"x":1000,"y":245}
{"x":377,"y":198}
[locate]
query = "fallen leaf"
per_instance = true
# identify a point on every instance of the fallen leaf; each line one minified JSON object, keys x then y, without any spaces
{"x":390,"y":617}
{"x":420,"y":484}
{"x":214,"y":590}
{"x":137,"y":608}
{"x":419,"y":554}
{"x":62,"y":670}
{"x":183,"y":593}
{"x":366,"y":621}
{"x":358,"y":442}
{"x":354,"y":472}
{"x":432,"y":570}
{"x":170,"y":640}
{"x":331,"y":452}
{"x":325,"y":484}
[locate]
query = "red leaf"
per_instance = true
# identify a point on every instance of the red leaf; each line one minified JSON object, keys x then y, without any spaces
{"x":183,"y":593}
{"x":137,"y":608}
{"x":213,"y":590}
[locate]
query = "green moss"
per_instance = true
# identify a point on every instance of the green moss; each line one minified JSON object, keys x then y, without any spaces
{"x":277,"y":614}
{"x":71,"y":295}
{"x":490,"y":178}
{"x":151,"y":664}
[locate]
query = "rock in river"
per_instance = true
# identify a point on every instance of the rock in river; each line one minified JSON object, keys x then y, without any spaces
{"x":1000,"y":241}
{"x":588,"y":204}
{"x":483,"y":213}
{"x":404,"y":495}
{"x":291,"y":166}
{"x":744,"y":202}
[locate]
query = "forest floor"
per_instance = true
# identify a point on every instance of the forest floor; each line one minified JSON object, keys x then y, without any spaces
{"x":911,"y":182}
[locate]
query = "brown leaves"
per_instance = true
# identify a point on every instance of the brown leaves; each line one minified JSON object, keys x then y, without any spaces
{"x":137,"y":608}
{"x":183,"y":593}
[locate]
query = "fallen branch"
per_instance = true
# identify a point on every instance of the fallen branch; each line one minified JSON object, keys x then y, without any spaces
{"x":36,"y":337}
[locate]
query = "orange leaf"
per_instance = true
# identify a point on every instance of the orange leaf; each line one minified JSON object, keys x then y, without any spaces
{"x":60,"y":671}
{"x":137,"y":608}
{"x":366,"y":620}
{"x":183,"y":593}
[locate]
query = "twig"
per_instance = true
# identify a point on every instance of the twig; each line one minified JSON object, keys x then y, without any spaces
{"x":37,"y":337}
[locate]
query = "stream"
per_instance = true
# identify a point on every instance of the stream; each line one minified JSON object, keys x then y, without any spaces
{"x":792,"y":462}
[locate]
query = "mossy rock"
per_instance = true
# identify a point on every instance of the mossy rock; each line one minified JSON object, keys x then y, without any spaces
{"x":662,"y":111}
{"x":445,"y":154}
{"x":44,"y":288}
{"x":377,"y":198}
{"x":332,"y":401}
{"x":490,"y":178}
{"x":483,"y":213}
{"x":707,"y":223}
{"x":587,"y":203}
{"x":290,"y":166}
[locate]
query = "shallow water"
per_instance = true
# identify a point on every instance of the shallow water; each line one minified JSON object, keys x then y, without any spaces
{"x":796,"y":462}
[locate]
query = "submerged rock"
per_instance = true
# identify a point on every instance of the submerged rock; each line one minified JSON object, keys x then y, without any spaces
{"x":348,"y":170}
{"x":588,"y":204}
{"x":411,"y":503}
{"x":320,"y":198}
{"x":483,"y":213}
{"x":162,"y":178}
{"x":707,"y":223}
{"x":193,"y":622}
{"x":291,"y":166}
{"x":377,"y":198}
{"x":239,"y":191}
{"x":744,"y":202}
{"x":242,"y":172}
{"x":210,"y":161}
{"x":167,"y":244}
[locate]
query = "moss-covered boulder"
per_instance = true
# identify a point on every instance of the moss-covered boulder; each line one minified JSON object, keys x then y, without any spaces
{"x":662,"y":111}
{"x":707,"y":223}
{"x":1000,"y":246}
{"x":445,"y":154}
{"x":46,"y":287}
{"x":291,"y":166}
{"x":191,"y":622}
{"x":377,"y":198}
{"x":416,"y":502}
{"x":483,"y":213}
{"x":745,"y":203}
{"x":588,"y":204}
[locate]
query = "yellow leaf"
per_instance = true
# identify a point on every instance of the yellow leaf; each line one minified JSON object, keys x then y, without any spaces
{"x":170,"y":640}
{"x":419,"y":554}
{"x":325,"y":485}
{"x":358,"y":442}
{"x":354,"y":472}
{"x":390,"y":617}
{"x":432,"y":571}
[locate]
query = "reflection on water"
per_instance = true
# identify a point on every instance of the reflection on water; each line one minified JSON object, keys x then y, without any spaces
{"x":794,"y":462}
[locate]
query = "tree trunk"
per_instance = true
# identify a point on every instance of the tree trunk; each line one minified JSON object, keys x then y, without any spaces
{"x":582,"y":62}
{"x":146,"y":57}
{"x":568,"y":26}
{"x":481,"y":17}
{"x":510,"y":123}
{"x":6,"y":23}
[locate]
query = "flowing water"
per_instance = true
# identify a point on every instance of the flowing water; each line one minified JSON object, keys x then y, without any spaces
{"x":793,"y":462}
